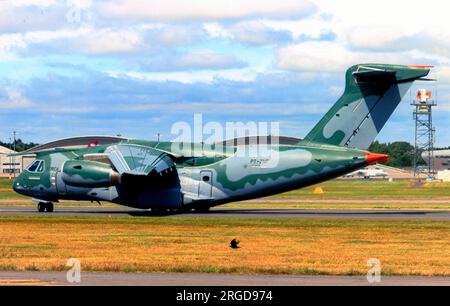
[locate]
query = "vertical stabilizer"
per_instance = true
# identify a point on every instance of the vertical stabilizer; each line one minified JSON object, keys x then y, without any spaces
{"x":372,"y":93}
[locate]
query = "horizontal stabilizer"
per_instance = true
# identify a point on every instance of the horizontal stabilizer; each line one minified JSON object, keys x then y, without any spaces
{"x":375,"y":76}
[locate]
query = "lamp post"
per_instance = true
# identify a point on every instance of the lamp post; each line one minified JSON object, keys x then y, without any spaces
{"x":14,"y":158}
{"x":10,"y":159}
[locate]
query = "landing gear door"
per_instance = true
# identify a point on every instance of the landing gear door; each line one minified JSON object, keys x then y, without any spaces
{"x":60,"y":185}
{"x":205,"y":184}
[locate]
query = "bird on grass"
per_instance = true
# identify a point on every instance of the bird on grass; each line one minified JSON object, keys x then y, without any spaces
{"x":234,"y":244}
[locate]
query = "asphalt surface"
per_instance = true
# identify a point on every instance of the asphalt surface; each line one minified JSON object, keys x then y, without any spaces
{"x":197,"y":279}
{"x":325,"y":214}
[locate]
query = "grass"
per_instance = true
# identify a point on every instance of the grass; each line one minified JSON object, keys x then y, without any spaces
{"x":373,"y":189}
{"x":201,"y":245}
{"x":360,"y":205}
{"x":6,"y":191}
{"x":5,"y":183}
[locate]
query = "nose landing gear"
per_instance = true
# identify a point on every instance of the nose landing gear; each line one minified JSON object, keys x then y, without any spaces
{"x":45,"y":207}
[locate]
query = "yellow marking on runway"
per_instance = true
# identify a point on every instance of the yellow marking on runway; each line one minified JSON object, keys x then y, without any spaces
{"x":24,"y":282}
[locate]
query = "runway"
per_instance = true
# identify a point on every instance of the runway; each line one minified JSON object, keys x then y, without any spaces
{"x":324,"y":214}
{"x":206,"y":279}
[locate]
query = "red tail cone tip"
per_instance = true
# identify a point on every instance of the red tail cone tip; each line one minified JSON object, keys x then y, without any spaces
{"x":373,"y":158}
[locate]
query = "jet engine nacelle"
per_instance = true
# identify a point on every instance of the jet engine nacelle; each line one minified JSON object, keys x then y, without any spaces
{"x":89,"y":174}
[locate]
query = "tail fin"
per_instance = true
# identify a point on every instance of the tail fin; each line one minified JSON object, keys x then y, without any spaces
{"x":372,"y":93}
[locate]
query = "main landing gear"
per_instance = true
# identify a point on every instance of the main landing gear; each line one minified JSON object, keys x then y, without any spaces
{"x":202,"y":209}
{"x":45,"y":207}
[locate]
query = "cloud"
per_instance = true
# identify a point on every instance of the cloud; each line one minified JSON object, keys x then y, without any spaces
{"x":21,"y":16}
{"x":316,"y":57}
{"x":381,"y":39}
{"x":207,"y":59}
{"x":168,"y":62}
{"x":27,"y":3}
{"x":263,"y":32}
{"x":327,"y":56}
{"x":263,"y":58}
{"x":187,"y":77}
{"x":442,"y":74}
{"x":180,"y":10}
{"x":257,"y":33}
{"x":233,"y":108}
{"x":83,"y":40}
{"x":314,"y":27}
{"x":107,"y":41}
{"x":387,"y":39}
{"x":9,"y":44}
{"x":107,"y":93}
{"x":14,"y":100}
{"x":249,"y":32}
{"x":174,"y":35}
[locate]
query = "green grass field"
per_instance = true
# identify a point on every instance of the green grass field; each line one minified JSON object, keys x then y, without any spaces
{"x":361,"y":205}
{"x":373,"y":189}
{"x":5,"y":183}
{"x":6,"y":191}
{"x":275,"y":246}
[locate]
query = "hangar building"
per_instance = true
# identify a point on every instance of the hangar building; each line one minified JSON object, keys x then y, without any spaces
{"x":441,"y":159}
{"x":10,"y":165}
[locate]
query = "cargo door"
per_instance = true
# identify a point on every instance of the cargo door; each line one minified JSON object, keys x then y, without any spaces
{"x":205,"y":184}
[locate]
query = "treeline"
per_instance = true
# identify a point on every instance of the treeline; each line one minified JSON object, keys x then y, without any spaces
{"x":400,"y":153}
{"x":20,"y":145}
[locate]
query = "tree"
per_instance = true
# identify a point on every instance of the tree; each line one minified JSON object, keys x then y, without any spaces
{"x":20,"y":145}
{"x":400,"y":153}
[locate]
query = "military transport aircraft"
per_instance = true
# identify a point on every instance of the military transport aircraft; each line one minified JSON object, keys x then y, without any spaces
{"x":170,"y":176}
{"x":367,"y":173}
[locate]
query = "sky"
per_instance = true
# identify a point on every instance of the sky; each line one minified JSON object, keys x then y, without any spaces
{"x":135,"y":67}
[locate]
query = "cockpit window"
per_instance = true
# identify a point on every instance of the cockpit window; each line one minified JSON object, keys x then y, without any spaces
{"x":33,"y":167}
{"x":37,"y":166}
{"x":41,"y":167}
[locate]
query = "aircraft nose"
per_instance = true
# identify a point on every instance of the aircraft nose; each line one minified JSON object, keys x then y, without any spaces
{"x":17,"y":187}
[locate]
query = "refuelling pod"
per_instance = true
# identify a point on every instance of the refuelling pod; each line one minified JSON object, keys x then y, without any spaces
{"x":89,"y":174}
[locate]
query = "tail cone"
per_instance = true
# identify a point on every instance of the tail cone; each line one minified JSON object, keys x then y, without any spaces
{"x":373,"y":158}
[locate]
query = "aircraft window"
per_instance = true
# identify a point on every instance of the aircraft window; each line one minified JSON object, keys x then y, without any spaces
{"x":41,"y":167}
{"x":37,"y":166}
{"x":34,"y":166}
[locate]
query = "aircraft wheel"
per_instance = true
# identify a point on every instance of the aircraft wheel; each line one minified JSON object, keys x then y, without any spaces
{"x":202,"y":209}
{"x":41,"y":207}
{"x":159,"y":211}
{"x":49,"y":207}
{"x":184,"y":210}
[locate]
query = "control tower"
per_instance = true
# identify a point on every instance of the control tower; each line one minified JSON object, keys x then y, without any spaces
{"x":424,"y":133}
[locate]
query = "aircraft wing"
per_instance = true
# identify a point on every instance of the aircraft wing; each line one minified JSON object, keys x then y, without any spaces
{"x":137,"y":160}
{"x":148,"y":176}
{"x":72,"y":142}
